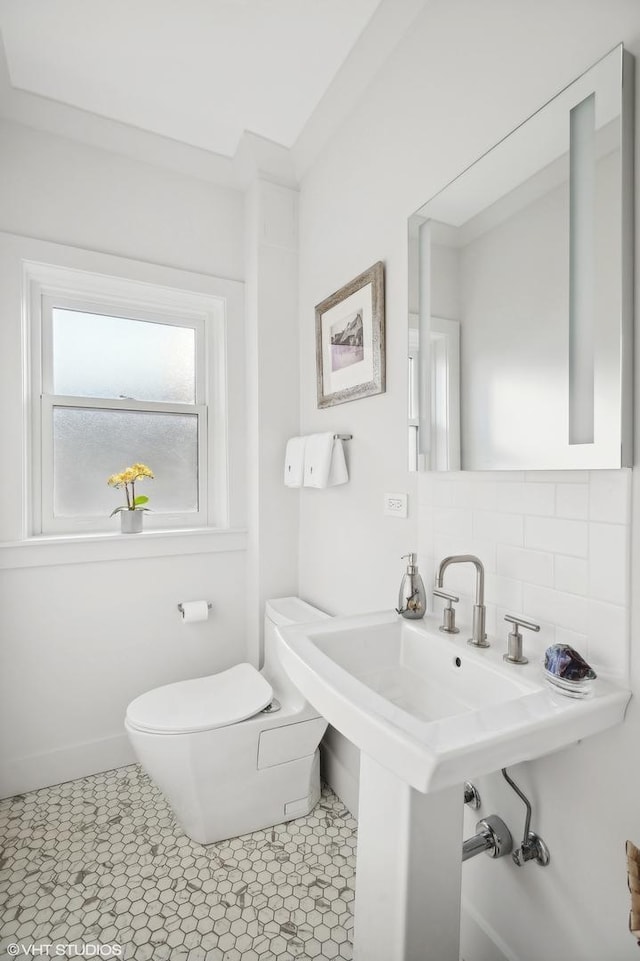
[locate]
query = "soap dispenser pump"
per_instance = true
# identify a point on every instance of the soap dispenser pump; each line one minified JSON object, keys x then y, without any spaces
{"x":412,"y":601}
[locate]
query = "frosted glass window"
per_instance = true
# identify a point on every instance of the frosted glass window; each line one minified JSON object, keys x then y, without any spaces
{"x":95,"y":355}
{"x":90,"y":444}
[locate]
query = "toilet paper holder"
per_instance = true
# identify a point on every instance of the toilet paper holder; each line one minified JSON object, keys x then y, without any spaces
{"x":181,"y":608}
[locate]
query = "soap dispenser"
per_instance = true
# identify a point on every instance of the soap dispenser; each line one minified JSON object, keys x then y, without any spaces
{"x":412,"y":601}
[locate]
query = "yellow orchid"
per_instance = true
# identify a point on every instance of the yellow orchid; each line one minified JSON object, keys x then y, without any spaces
{"x":142,"y":470}
{"x":127,"y":479}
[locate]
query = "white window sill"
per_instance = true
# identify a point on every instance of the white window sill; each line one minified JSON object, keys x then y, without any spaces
{"x":49,"y":550}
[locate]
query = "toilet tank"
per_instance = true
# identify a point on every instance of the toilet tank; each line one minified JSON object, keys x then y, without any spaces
{"x":280,"y":612}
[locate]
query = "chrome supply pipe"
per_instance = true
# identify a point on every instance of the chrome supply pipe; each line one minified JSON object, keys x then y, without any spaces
{"x":493,"y":837}
{"x":478,"y":844}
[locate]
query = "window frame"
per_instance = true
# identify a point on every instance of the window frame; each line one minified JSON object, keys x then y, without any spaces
{"x":70,"y":288}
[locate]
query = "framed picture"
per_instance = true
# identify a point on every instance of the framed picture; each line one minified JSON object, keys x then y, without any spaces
{"x":350,"y":356}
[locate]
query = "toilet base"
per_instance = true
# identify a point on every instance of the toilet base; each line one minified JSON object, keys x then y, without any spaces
{"x":232,"y":781}
{"x":233,"y":816}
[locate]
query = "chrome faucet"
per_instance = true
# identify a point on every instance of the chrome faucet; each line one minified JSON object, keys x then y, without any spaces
{"x":479,"y":638}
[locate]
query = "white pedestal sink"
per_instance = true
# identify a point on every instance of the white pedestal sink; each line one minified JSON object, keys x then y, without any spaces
{"x":408,"y":873}
{"x":427,"y":712}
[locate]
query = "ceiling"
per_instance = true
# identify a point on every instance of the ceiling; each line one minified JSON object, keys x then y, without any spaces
{"x":197,"y":71}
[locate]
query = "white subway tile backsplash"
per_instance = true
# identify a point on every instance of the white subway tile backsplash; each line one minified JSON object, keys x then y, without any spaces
{"x":572,"y":500}
{"x":427,"y":528}
{"x":511,"y":498}
{"x":609,"y":496}
{"x":498,"y":527}
{"x":572,"y":575}
{"x":557,"y":476}
{"x":442,"y":493}
{"x":475,"y":495}
{"x":555,"y":548}
{"x":500,"y":476}
{"x":608,"y":563}
{"x":527,"y":498}
{"x":557,"y":607}
{"x":557,"y":535}
{"x":535,"y":567}
{"x":444,"y":545}
{"x":487,"y":552}
{"x":505,"y":592}
{"x":454,"y":521}
{"x":579,"y":642}
{"x":538,"y":499}
{"x":608,"y":638}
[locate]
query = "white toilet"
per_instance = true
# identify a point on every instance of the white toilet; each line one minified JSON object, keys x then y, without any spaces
{"x":235,"y":751}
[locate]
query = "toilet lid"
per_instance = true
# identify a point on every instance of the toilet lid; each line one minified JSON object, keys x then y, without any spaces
{"x":203,"y":703}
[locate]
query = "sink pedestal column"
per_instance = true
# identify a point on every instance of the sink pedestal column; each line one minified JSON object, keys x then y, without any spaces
{"x":408,"y":870}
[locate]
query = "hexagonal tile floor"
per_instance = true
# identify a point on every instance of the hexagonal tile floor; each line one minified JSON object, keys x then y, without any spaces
{"x":101,"y":866}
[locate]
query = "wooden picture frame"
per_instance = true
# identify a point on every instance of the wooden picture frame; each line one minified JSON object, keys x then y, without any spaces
{"x":350,"y":340}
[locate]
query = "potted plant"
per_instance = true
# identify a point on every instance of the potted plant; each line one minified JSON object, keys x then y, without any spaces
{"x":131,"y":512}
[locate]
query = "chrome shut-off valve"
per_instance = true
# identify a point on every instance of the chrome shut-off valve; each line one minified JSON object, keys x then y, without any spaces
{"x":532,"y":847}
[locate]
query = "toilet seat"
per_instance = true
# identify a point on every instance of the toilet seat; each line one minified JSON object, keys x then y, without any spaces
{"x":202,"y":703}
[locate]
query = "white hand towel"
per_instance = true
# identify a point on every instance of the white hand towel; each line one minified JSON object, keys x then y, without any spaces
{"x":324,"y":463}
{"x":338,"y":473}
{"x":294,"y":461}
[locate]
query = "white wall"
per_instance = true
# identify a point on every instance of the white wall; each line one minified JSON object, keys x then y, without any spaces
{"x":273,"y":386}
{"x":79,"y":639}
{"x":465,"y":75}
{"x":61,"y":190}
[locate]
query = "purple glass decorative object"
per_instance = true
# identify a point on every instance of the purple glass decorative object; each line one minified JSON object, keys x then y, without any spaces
{"x":562,"y":661}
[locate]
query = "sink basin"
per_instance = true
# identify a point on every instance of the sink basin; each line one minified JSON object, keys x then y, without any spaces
{"x":427,"y":706}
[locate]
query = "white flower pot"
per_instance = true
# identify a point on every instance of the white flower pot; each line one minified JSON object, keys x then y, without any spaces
{"x":131,"y":522}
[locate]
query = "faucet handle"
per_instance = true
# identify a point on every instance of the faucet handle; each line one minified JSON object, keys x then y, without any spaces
{"x":447,"y":595}
{"x":514,"y":651}
{"x":448,"y":625}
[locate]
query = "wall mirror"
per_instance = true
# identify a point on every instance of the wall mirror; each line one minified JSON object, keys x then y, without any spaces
{"x":521,"y":293}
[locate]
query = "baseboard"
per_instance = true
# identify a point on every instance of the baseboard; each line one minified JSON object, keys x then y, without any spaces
{"x":478,"y":940}
{"x":67,"y":764}
{"x":339,"y":778}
